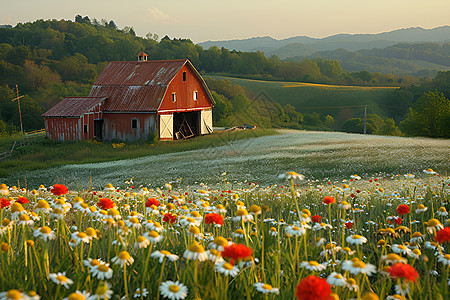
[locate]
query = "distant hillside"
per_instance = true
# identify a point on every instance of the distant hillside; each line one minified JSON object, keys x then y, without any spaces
{"x":419,"y":59}
{"x":411,"y":51}
{"x":350,"y":42}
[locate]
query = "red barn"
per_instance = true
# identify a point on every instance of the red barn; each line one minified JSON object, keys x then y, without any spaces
{"x":135,"y":100}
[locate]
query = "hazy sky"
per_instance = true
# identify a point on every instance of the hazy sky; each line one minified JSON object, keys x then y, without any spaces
{"x":202,"y":20}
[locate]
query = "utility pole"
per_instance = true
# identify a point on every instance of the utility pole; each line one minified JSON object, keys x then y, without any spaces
{"x":20,"y":113}
{"x":365,"y":113}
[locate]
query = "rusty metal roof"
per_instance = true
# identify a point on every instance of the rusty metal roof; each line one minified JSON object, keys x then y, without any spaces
{"x":139,"y":73}
{"x":138,"y":85}
{"x":130,"y":97}
{"x":73,"y":106}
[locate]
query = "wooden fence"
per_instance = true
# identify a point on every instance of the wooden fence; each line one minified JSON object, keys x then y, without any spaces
{"x":28,"y":138}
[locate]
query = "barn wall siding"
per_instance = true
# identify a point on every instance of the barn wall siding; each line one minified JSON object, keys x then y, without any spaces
{"x":185,"y":93}
{"x":117,"y":126}
{"x":63,"y":129}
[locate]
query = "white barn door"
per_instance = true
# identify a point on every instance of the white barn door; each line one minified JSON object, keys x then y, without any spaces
{"x":206,"y":121}
{"x":166,"y":126}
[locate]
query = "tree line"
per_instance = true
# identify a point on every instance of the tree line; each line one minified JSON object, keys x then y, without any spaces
{"x":53,"y":59}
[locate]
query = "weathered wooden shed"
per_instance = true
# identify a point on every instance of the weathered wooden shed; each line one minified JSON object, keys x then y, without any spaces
{"x":140,"y":98}
{"x":75,"y":119}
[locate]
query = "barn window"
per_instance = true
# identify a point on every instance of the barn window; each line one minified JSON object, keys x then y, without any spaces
{"x":195,"y":96}
{"x":134,"y":123}
{"x":184,"y":76}
{"x":174,"y":97}
{"x":85,"y":128}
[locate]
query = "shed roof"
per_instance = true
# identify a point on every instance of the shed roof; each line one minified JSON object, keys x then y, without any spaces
{"x":73,"y":106}
{"x":138,"y":85}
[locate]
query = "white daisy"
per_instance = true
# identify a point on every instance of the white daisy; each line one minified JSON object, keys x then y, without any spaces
{"x":356,"y":240}
{"x":400,"y":249}
{"x":444,"y":259}
{"x":78,"y":295}
{"x":123,"y":258}
{"x":195,"y":252}
{"x":153,"y":236}
{"x":60,"y":278}
{"x":13,"y":295}
{"x":242,"y":214}
{"x":80,"y":237}
{"x":312,"y":266}
{"x":356,"y":266}
{"x":266,"y":288}
{"x":163,"y":254}
{"x":238,"y":234}
{"x":336,"y":279}
{"x":45,"y":233}
{"x":173,"y":290}
{"x":139,"y":294}
{"x":295,"y":230}
{"x":103,"y":291}
{"x":219,"y":243}
{"x":226,"y":268}
{"x":214,"y":255}
{"x":102,"y":271}
{"x":141,"y":242}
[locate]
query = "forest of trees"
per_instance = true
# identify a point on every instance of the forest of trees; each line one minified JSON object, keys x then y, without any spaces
{"x":57,"y":58}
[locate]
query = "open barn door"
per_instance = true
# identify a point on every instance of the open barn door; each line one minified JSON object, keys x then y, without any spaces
{"x":206,"y":121}
{"x":166,"y":127}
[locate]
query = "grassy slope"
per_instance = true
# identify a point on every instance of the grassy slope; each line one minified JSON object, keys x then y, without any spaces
{"x":46,"y":154}
{"x":303,"y":95}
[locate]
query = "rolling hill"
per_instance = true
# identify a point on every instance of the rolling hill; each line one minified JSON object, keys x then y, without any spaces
{"x":325,"y":99}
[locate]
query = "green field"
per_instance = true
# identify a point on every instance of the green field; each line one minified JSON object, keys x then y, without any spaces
{"x":325,"y":99}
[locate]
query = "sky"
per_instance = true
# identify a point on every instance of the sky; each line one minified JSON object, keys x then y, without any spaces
{"x":202,"y":20}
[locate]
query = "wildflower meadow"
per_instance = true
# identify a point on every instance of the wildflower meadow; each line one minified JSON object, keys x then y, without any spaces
{"x":357,"y":238}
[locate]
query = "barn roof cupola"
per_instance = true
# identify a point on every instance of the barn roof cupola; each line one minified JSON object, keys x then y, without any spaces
{"x":142,"y":56}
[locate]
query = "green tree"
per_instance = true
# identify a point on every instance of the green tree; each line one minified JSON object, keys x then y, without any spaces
{"x":389,"y":128}
{"x":222,"y":109}
{"x":329,"y":121}
{"x":427,"y":116}
{"x":356,"y":125}
{"x":312,"y":119}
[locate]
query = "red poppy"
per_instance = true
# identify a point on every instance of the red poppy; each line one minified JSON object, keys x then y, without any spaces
{"x":151,"y":201}
{"x":105,"y":203}
{"x":22,"y":200}
{"x":349,"y":224}
{"x":405,"y":271}
{"x":4,"y":203}
{"x":352,"y":195}
{"x":316,"y":218}
{"x":213,"y":219}
{"x":403,"y":209}
{"x":398,"y":221}
{"x":169,"y":218}
{"x":443,"y":235}
{"x":328,"y":200}
{"x":236,"y":252}
{"x":313,"y":287}
{"x":59,"y":189}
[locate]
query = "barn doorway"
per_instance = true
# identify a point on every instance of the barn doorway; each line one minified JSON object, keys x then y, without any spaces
{"x":186,"y":125}
{"x":98,"y":129}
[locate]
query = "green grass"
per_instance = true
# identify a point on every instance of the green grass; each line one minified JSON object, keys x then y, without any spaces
{"x":305,"y":95}
{"x":46,"y":154}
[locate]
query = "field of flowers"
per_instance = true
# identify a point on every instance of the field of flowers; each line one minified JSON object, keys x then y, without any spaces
{"x":357,"y":238}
